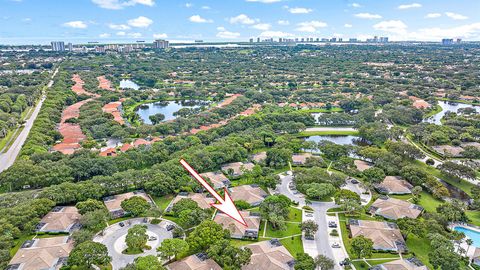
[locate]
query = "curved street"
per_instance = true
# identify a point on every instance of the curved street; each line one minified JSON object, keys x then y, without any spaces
{"x":323,"y":241}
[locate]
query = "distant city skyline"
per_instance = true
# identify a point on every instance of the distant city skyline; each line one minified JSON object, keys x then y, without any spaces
{"x":106,"y":21}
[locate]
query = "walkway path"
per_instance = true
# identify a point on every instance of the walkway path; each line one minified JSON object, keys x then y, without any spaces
{"x":8,"y":158}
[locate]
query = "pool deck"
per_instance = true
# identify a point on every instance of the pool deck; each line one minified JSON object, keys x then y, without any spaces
{"x":472,"y":248}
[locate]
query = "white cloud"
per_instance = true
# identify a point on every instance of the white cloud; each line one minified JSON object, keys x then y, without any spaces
{"x":466,"y":32}
{"x":104,"y":35}
{"x":276,"y":34}
{"x":188,"y":5}
{"x":242,"y":19}
{"x":206,"y":7}
{"x":121,"y":33}
{"x":265,"y":1}
{"x":347,"y":25}
{"x":368,"y":16}
{"x":118,"y":26}
{"x":408,"y":6}
{"x":392,"y":26}
{"x":455,"y":16}
{"x":224,"y":33}
{"x":433,"y":15}
{"x":162,"y":35}
{"x":140,"y":22}
{"x":134,"y":35}
{"x":262,"y":26}
{"x":299,"y":10}
{"x":118,"y":4}
{"x":76,"y":24}
{"x":311,"y":26}
{"x":199,"y":19}
{"x":283,"y":22}
{"x":355,"y":5}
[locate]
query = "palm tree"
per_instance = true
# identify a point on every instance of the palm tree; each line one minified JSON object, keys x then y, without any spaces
{"x":469,"y":243}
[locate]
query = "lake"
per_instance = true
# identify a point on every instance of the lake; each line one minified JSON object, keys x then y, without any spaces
{"x":448,"y":106}
{"x":338,"y":139}
{"x":167,"y":108}
{"x":128,"y":84}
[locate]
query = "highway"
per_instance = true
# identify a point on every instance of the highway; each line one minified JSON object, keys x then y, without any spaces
{"x":8,"y":158}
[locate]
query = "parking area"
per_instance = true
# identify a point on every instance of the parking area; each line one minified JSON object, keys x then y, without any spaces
{"x":114,"y":239}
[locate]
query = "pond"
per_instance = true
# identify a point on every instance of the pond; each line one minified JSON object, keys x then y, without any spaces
{"x":455,"y":192}
{"x":448,"y":106}
{"x":472,"y":234}
{"x":167,"y":108}
{"x":338,"y":139}
{"x":128,"y":84}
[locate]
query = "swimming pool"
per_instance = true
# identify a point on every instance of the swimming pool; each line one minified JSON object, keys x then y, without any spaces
{"x":474,"y":235}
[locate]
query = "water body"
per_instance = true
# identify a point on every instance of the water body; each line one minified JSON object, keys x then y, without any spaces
{"x":455,"y":192}
{"x":472,"y":234}
{"x":128,"y":84}
{"x":446,"y":107}
{"x":338,"y":139}
{"x":167,"y":108}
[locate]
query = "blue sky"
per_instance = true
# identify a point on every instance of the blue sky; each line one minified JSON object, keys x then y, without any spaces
{"x":40,"y":21}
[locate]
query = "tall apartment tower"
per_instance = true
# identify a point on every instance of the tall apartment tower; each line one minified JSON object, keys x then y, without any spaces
{"x":58,"y":46}
{"x":160,"y":44}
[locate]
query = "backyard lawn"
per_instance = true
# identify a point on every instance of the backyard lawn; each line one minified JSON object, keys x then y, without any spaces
{"x":293,"y":244}
{"x":420,"y":247}
{"x":163,"y":202}
{"x":291,"y":229}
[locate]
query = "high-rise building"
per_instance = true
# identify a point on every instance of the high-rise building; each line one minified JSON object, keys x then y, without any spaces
{"x":161,"y":44}
{"x":459,"y":40}
{"x":352,"y":40}
{"x":58,"y":46}
{"x":251,"y":40}
{"x":70,"y":47}
{"x":447,"y":41}
{"x":383,"y":39}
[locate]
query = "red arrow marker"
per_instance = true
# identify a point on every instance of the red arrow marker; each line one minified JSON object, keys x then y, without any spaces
{"x":226,"y":205}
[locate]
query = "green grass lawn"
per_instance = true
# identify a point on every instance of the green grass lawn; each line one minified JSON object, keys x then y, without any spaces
{"x":18,"y":243}
{"x":420,"y":247}
{"x":294,"y":245}
{"x":474,"y":217}
{"x":295,"y":215}
{"x":241,"y":243}
{"x":163,"y":202}
{"x":291,"y":229}
{"x":428,"y":202}
{"x":113,"y":221}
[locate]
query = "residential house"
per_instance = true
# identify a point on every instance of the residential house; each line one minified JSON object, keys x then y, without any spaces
{"x":385,"y":235}
{"x":201,"y":199}
{"x":114,"y":203}
{"x":271,"y":255}
{"x":42,"y":253}
{"x":218,"y":179}
{"x":392,"y":208}
{"x":259,"y":157}
{"x":237,"y":168}
{"x":61,"y":219}
{"x":237,"y":230}
{"x":251,"y":194}
{"x":394,"y":185}
{"x":362,"y":165}
{"x":402,"y":264}
{"x":194,"y":262}
{"x":301,"y":159}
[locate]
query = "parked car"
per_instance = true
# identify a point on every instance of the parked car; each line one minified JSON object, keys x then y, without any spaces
{"x":354,"y":181}
{"x":309,"y":237}
{"x":121,"y":224}
{"x":309,"y":215}
{"x":335,"y":245}
{"x":152,"y":238}
{"x":332,"y":224}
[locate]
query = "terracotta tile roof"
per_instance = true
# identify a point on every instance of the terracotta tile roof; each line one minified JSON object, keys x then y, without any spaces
{"x":362,"y":165}
{"x":394,"y":185}
{"x":249,"y":193}
{"x":394,"y":208}
{"x":259,"y":157}
{"x":61,"y":219}
{"x":385,"y":235}
{"x":236,"y":229}
{"x":238,"y":167}
{"x":201,"y":199}
{"x":109,"y":152}
{"x":193,"y":262}
{"x":301,"y":159}
{"x":45,"y":253}
{"x":218,"y":179}
{"x":269,"y":255}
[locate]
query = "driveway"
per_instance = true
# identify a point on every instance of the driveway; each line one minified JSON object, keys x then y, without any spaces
{"x":114,"y":239}
{"x":321,"y":244}
{"x":357,"y":188}
{"x":8,"y":158}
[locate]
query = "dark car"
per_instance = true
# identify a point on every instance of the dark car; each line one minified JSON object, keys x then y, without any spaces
{"x":121,"y":224}
{"x":354,"y":181}
{"x":332,"y":224}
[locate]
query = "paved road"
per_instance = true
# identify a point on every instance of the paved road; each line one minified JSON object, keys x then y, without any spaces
{"x":7,"y":158}
{"x":114,"y":240}
{"x":321,"y":244}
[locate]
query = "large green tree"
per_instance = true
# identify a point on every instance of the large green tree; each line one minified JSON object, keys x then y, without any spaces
{"x":172,"y":247}
{"x":137,"y":238}
{"x":136,"y":206}
{"x":89,"y":253}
